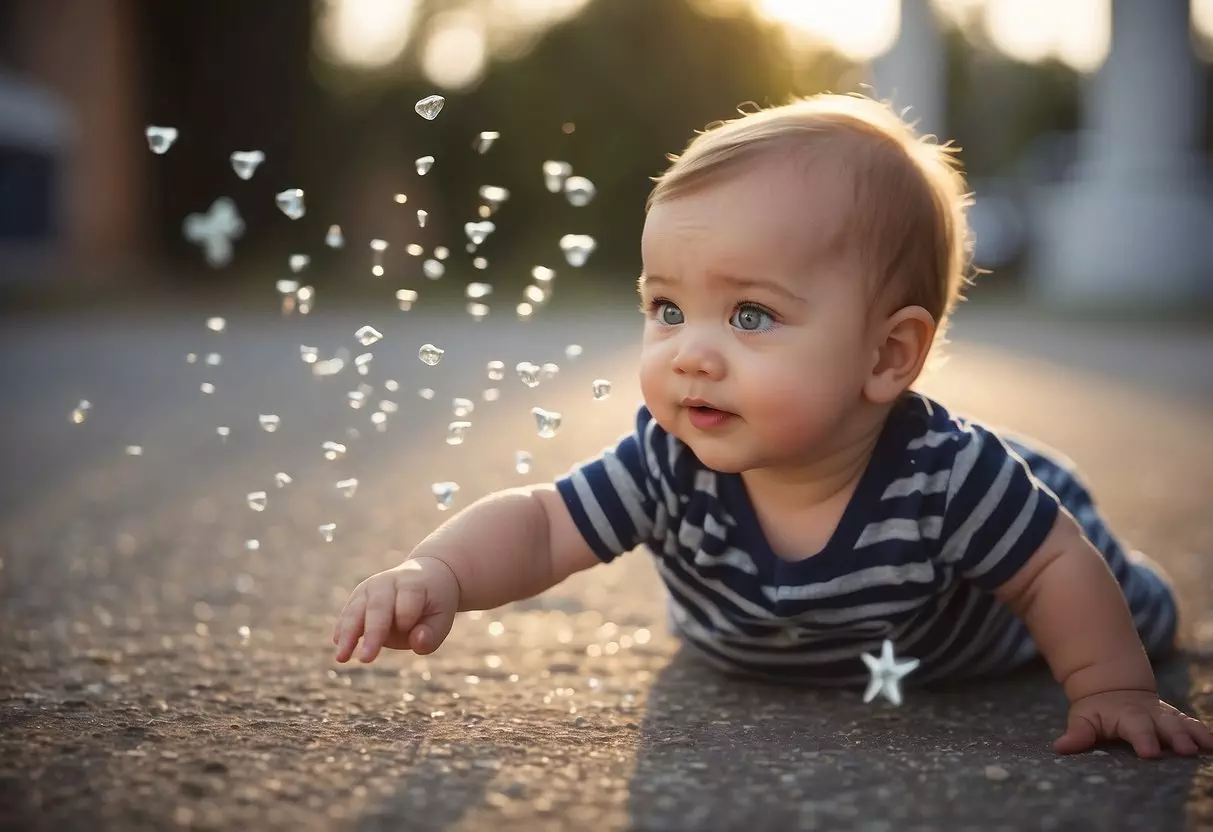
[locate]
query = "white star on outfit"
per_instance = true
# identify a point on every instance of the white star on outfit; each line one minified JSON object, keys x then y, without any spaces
{"x":887,"y":674}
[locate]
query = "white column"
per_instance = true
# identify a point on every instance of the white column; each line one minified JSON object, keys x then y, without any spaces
{"x":913,"y":72}
{"x":1134,"y":223}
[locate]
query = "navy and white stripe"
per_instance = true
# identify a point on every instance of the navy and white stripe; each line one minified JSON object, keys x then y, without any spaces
{"x":946,"y":512}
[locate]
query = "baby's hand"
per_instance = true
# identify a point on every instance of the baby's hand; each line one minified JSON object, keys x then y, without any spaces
{"x":1139,"y":718}
{"x":409,"y":607}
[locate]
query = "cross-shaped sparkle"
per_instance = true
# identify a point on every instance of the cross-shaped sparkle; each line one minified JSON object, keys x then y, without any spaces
{"x":215,"y":230}
{"x":887,"y":674}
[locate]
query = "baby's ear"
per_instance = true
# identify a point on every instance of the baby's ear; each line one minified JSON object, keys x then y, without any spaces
{"x":902,"y":345}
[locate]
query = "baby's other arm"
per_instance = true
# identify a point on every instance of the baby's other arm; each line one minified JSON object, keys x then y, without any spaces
{"x":505,"y":547}
{"x":1076,"y":612}
{"x":509,"y":546}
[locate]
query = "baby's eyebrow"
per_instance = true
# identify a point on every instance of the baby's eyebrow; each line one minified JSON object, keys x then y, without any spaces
{"x":738,"y":282}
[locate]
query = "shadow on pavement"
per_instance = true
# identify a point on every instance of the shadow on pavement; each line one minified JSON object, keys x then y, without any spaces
{"x":720,"y":753}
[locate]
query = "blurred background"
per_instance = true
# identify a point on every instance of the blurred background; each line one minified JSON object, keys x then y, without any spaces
{"x":1083,"y":125}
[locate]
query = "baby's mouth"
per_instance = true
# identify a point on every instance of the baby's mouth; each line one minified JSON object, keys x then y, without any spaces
{"x":706,"y":417}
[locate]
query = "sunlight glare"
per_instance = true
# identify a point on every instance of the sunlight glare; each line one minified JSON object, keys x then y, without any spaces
{"x":1076,"y":32}
{"x":454,"y":55}
{"x":1202,"y":18}
{"x":367,"y":33}
{"x":858,"y":29}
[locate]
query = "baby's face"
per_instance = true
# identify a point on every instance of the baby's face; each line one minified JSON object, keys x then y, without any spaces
{"x":749,"y":312}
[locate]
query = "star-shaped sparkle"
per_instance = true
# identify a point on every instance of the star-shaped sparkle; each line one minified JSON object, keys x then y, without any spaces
{"x":887,"y":674}
{"x":215,"y":230}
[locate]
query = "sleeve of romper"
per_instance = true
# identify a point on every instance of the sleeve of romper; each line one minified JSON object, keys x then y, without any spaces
{"x":997,"y":513}
{"x":614,"y":497}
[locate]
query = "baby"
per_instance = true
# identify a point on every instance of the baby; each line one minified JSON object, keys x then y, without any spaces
{"x":802,"y":502}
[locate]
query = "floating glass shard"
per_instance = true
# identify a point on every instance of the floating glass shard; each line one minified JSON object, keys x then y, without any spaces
{"x":577,"y":248}
{"x":534,"y":294}
{"x":326,"y":531}
{"x":308,"y":354}
{"x":213,"y":359}
{"x":160,"y":139}
{"x":414,"y":249}
{"x":485,"y":140}
{"x":528,"y":372}
{"x":456,"y":431}
{"x":547,"y":422}
{"x":400,"y":199}
{"x":478,"y":232}
{"x":554,"y":174}
{"x":426,"y":393}
{"x":601,"y":388}
{"x":362,"y":363}
{"x":282,"y":479}
{"x":433,"y":269}
{"x":444,"y":493}
{"x":424,"y":164}
{"x":441,"y":252}
{"x":368,"y":335}
{"x":522,"y":462}
{"x":462,"y":407}
{"x":496,"y":370}
{"x":290,"y":202}
{"x":298,"y":262}
{"x":405,"y":298}
{"x":246,"y":162}
{"x":491,"y":394}
{"x":478,"y":290}
{"x":333,"y":450}
{"x":257,"y":500}
{"x":334,"y":238}
{"x":287,"y":287}
{"x":429,"y":107}
{"x":269,"y":422}
{"x":542,"y":274}
{"x":493,"y":195}
{"x":224,"y":431}
{"x":421,"y":217}
{"x":478,"y":311}
{"x":524,"y":311}
{"x":80,"y":413}
{"x":134,"y":450}
{"x":429,"y":354}
{"x":480,"y":263}
{"x":347,"y":487}
{"x":572,"y":351}
{"x":579,"y":191}
{"x":549,"y":370}
{"x":206,"y":387}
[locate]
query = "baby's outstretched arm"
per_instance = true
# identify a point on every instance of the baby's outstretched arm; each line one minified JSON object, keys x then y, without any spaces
{"x":505,"y":547}
{"x":1076,"y":612}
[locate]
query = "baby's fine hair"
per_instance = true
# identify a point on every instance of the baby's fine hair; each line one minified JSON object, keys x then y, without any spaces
{"x":907,"y":221}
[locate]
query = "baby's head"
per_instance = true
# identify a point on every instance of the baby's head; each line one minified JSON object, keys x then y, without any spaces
{"x":799,"y":264}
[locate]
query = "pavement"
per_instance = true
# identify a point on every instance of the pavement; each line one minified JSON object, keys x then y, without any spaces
{"x":156,"y":673}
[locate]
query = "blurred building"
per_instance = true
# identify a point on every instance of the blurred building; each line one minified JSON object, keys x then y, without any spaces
{"x":71,"y":199}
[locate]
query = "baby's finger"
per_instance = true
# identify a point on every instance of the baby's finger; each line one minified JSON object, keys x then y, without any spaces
{"x":1172,"y":727}
{"x":380,"y":610}
{"x":350,"y":626}
{"x":410,"y":604}
{"x":1198,"y":731}
{"x":1138,"y":729}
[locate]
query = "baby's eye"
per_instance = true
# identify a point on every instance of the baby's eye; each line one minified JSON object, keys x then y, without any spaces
{"x":667,"y":313}
{"x":752,"y":318}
